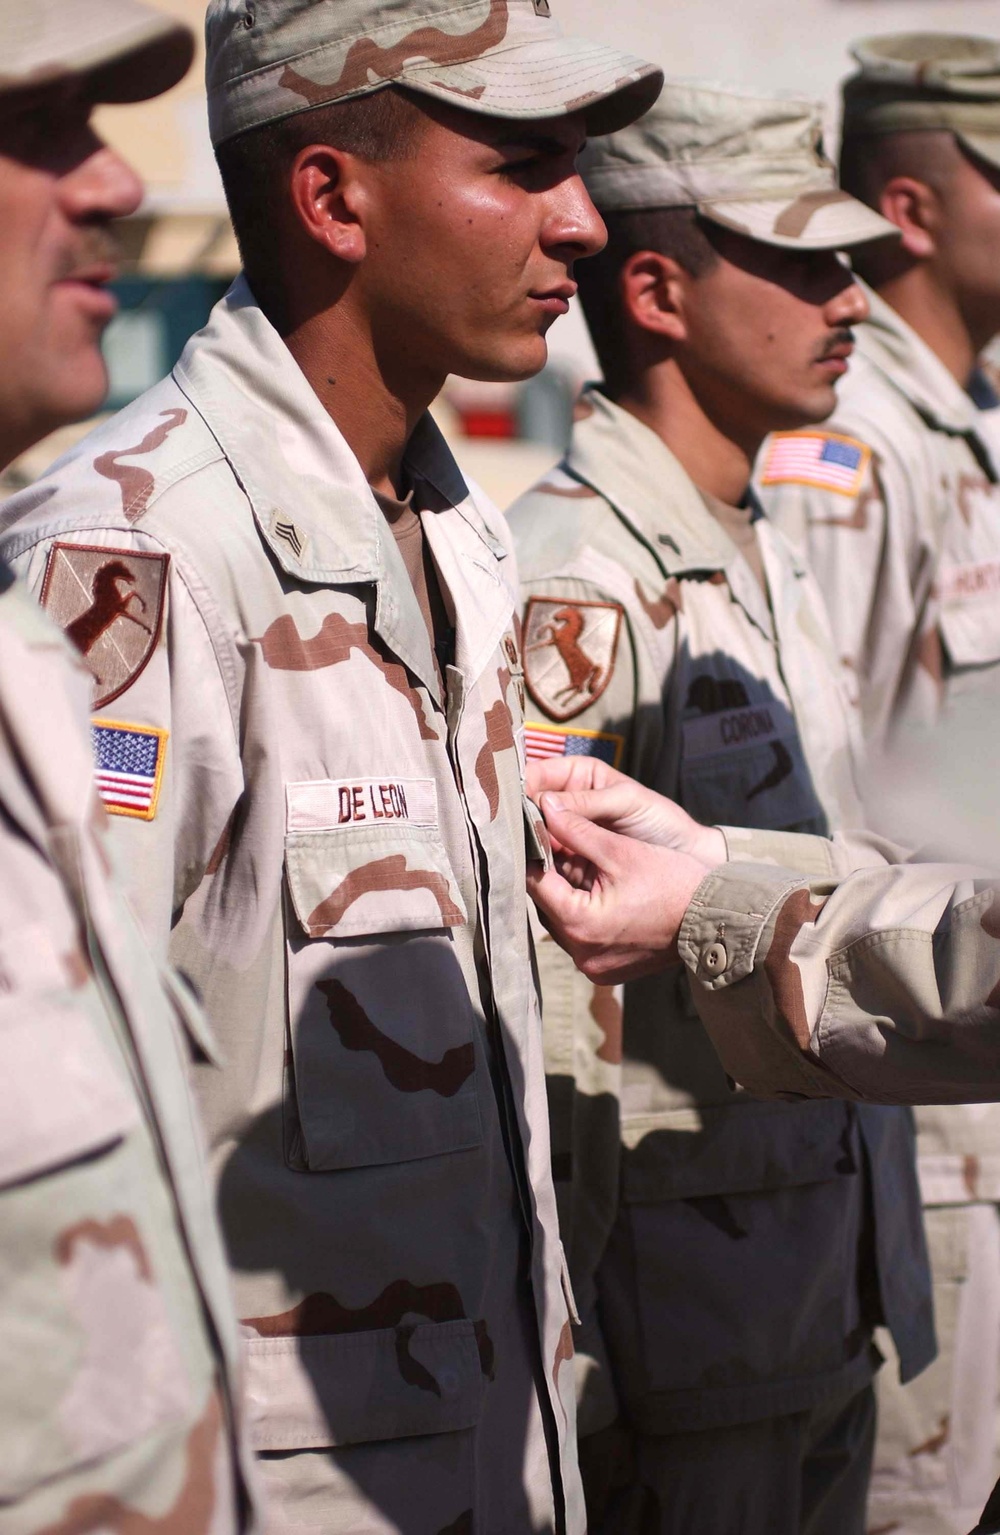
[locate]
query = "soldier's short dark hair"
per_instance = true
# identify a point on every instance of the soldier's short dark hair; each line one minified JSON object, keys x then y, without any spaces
{"x":868,"y":161}
{"x":384,"y":125}
{"x":675,"y":232}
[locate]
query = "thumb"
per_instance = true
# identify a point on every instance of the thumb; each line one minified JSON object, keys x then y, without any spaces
{"x":579,"y":835}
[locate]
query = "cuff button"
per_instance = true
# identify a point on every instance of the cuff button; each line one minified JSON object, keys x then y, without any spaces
{"x":715,"y":958}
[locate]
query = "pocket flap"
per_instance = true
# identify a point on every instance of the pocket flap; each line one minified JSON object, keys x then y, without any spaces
{"x":739,"y":1149}
{"x":384,"y":879}
{"x":60,"y":1097}
{"x":352,"y":1388}
{"x":969,"y":621}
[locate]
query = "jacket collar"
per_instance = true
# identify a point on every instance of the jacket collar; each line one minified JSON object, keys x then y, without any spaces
{"x":309,"y":496}
{"x":919,"y":375}
{"x":635,"y":471}
{"x":311,"y":501}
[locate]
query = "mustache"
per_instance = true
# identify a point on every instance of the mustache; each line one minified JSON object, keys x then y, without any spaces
{"x":96,"y":247}
{"x":835,"y":340}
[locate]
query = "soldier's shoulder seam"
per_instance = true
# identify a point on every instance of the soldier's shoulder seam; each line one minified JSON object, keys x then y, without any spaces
{"x":223,"y":642}
{"x":550,"y":531}
{"x":75,"y":530}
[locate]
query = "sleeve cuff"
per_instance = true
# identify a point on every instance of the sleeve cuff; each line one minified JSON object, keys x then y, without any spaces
{"x":722,"y":927}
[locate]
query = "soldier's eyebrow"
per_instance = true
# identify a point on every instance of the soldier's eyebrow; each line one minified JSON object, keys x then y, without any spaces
{"x":537,"y":143}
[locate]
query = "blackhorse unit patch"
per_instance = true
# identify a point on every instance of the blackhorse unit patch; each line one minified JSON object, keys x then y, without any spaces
{"x":109,"y":602}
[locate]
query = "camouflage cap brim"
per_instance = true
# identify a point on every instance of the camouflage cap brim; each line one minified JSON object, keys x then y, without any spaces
{"x":500,"y":58}
{"x":933,"y":81}
{"x":125,"y":50}
{"x":985,"y":145}
{"x":820,"y":220}
{"x":548,"y":79}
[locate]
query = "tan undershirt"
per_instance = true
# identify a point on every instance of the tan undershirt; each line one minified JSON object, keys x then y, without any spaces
{"x":407,"y":530}
{"x":740,"y":523}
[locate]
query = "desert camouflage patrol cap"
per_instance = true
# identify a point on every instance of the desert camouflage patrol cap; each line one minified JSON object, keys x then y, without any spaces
{"x":268,"y":59}
{"x":940,"y":80}
{"x":752,"y":163}
{"x":125,"y":51}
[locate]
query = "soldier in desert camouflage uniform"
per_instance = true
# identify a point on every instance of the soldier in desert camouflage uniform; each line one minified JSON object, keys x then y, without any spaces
{"x":302,"y":625}
{"x":866,"y":974}
{"x":118,"y":1409}
{"x":907,"y":547}
{"x":728,"y":1273}
{"x":907,"y":551}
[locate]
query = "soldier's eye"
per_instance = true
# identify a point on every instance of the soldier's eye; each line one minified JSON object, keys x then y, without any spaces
{"x":512,"y":168}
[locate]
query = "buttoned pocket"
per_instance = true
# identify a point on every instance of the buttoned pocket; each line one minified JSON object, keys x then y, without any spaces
{"x":969,"y":619}
{"x":743,"y":1232}
{"x":333,"y":1389}
{"x":349,"y":882}
{"x":383,"y":1052}
{"x":60,"y":1098}
{"x":91,"y":1360}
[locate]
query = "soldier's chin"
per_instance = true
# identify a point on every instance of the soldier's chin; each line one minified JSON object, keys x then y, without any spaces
{"x":809,"y":410}
{"x":508,"y":364}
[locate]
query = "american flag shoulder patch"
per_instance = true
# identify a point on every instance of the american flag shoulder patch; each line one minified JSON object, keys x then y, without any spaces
{"x":543,"y":741}
{"x":129,"y":766}
{"x":823,"y":459}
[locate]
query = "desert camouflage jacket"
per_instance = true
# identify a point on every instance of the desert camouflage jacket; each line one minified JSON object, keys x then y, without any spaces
{"x":896,"y":502}
{"x":908,"y":557}
{"x":339,"y":847}
{"x":649,"y":639}
{"x":118,"y":1405}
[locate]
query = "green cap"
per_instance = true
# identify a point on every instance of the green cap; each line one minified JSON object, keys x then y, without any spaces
{"x":754,"y":164}
{"x":269,"y":59}
{"x":125,"y":51}
{"x":942,"y":80}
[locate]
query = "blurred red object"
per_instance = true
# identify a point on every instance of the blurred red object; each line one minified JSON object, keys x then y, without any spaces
{"x":488,"y":423}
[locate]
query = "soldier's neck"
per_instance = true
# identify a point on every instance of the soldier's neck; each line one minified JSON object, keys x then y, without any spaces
{"x":932,"y":310}
{"x":374,"y":404}
{"x":662,"y":399}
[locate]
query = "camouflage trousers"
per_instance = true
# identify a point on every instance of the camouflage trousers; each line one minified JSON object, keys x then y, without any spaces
{"x":802,"y":1474}
{"x":936,"y":1455}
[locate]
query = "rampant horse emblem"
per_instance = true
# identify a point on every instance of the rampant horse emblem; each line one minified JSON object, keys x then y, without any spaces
{"x":569,"y":653}
{"x":109,"y":602}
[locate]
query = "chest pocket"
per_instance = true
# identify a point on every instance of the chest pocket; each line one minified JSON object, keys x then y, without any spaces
{"x":90,"y":1361}
{"x":82,"y":1107}
{"x":383,"y":1057}
{"x":968,"y":578}
{"x":746,"y":764}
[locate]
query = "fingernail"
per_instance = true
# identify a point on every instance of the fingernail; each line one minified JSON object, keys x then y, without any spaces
{"x":553,"y":802}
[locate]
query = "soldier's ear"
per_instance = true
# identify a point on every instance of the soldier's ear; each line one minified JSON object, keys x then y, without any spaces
{"x":328,"y":197}
{"x":915,"y":209}
{"x":653,"y":290}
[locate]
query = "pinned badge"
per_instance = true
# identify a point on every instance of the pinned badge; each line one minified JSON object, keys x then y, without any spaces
{"x":569,"y":653}
{"x":109,"y":602}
